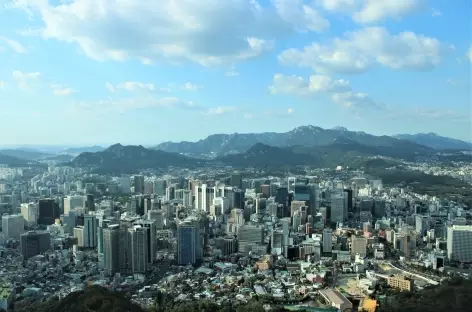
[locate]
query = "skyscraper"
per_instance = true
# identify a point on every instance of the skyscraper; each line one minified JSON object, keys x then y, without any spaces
{"x":236,"y":180}
{"x":34,"y":243}
{"x":113,"y":258}
{"x":327,"y":240}
{"x":13,"y":226}
{"x":139,"y":249}
{"x":139,"y":184}
{"x":48,"y":211}
{"x":90,"y":231}
{"x":188,"y":243}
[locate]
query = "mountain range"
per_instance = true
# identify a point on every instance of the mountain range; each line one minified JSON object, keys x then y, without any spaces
{"x":223,"y":144}
{"x":436,"y":141}
{"x":305,"y":145}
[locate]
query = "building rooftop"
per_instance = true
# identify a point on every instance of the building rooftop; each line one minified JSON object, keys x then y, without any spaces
{"x":334,"y":296}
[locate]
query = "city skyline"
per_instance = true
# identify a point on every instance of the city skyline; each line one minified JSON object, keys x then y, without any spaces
{"x":85,"y":72}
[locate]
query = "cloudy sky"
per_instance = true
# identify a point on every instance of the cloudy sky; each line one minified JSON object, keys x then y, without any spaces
{"x":142,"y":72}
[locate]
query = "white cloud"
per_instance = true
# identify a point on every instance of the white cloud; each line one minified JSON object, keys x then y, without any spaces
{"x":232,"y":73}
{"x":304,"y":17}
{"x":376,"y":10}
{"x":220,"y":110}
{"x":132,"y":86}
{"x":436,"y":13}
{"x":298,"y":86}
{"x":14,"y":45}
{"x":372,"y":11}
{"x":208,"y":32}
{"x":110,"y":87}
{"x":469,"y":53}
{"x":362,"y":49}
{"x":188,"y":86}
{"x":26,"y":80}
{"x":61,"y":90}
{"x":356,"y":100}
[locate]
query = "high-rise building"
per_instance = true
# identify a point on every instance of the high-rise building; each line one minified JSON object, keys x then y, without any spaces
{"x":358,"y":246}
{"x":90,"y":203}
{"x":189,"y":246}
{"x":113,"y":254}
{"x":48,"y":211}
{"x":139,"y":184}
{"x":459,"y":243}
{"x":337,"y":208}
{"x":34,"y":243}
{"x":90,"y":231}
{"x":125,"y":184}
{"x":160,"y":187}
{"x":149,"y":227}
{"x":13,"y":226}
{"x":30,"y":213}
{"x":248,"y":234}
{"x":139,"y":249}
{"x":79,"y":235}
{"x":236,"y":180}
{"x":157,"y":216}
{"x":327,"y":240}
{"x":73,"y":203}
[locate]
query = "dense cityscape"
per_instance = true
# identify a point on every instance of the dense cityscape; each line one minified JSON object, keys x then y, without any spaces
{"x":330,"y":239}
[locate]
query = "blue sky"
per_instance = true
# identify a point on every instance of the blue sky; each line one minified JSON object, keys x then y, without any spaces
{"x":81,"y":72}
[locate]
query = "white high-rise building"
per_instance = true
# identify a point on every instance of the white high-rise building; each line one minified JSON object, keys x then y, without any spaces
{"x":459,"y":243}
{"x":90,"y":231}
{"x":79,"y":234}
{"x":223,"y":202}
{"x":74,"y":203}
{"x":13,"y":226}
{"x":30,"y":213}
{"x":158,"y":217}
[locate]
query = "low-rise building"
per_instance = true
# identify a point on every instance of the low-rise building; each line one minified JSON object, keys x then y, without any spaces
{"x":400,"y":282}
{"x":336,"y":299}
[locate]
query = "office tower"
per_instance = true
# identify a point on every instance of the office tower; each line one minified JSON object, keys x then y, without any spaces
{"x":187,"y":198}
{"x":90,"y":231}
{"x":90,"y":203}
{"x":170,"y":192}
{"x":249,"y":234}
{"x":149,"y":227}
{"x":157,"y":216}
{"x":125,"y":184}
{"x":34,"y":243}
{"x":113,"y":254}
{"x":30,"y":213}
{"x":48,"y":211}
{"x":337,"y":208}
{"x":265,"y":190}
{"x":236,"y":180}
{"x":327,"y":240}
{"x":188,"y":243}
{"x":147,"y":204}
{"x":139,"y":184}
{"x":366,"y":204}
{"x":79,"y":234}
{"x":73,"y":203}
{"x":422,"y":224}
{"x":160,"y":187}
{"x":295,"y":206}
{"x":223,"y":202}
{"x":148,"y":187}
{"x":358,"y":246}
{"x":139,"y":249}
{"x":204,"y":196}
{"x":13,"y":226}
{"x":313,"y":204}
{"x":277,"y":240}
{"x":348,"y":193}
{"x":260,"y":205}
{"x":281,"y":196}
{"x":459,"y":243}
{"x":239,"y":197}
{"x":100,"y":238}
{"x":379,"y":209}
{"x":229,"y":245}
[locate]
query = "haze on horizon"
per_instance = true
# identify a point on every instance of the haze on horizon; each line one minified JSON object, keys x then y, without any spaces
{"x":382,"y":67}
